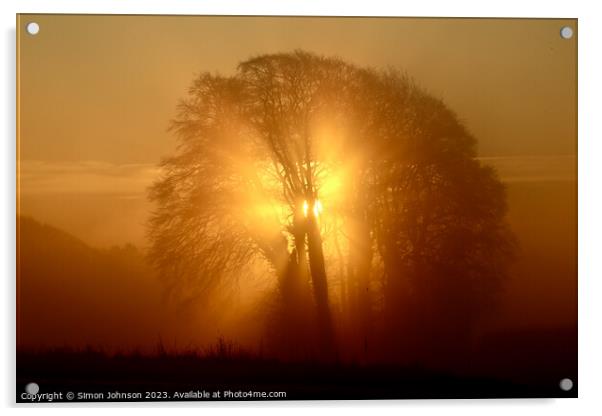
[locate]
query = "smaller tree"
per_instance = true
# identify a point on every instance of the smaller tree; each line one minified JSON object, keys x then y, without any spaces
{"x":438,"y":220}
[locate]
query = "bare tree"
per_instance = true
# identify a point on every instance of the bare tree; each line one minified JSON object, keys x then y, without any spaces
{"x":438,"y":219}
{"x":247,"y":141}
{"x":419,"y":221}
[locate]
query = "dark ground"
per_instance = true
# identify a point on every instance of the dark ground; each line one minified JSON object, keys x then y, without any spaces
{"x":92,"y":371}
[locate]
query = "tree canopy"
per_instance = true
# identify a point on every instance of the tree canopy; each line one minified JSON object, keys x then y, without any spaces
{"x":358,"y":194}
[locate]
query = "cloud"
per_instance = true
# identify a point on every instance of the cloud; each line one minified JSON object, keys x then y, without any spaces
{"x":132,"y":180}
{"x":87,"y":177}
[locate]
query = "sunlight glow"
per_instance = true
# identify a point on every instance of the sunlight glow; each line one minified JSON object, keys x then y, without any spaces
{"x":317,"y":208}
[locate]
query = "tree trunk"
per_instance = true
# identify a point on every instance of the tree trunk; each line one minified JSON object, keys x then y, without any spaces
{"x":290,"y":333}
{"x":361,"y":261}
{"x":320,"y":289}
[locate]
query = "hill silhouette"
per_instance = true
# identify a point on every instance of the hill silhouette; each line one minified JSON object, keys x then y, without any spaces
{"x":72,"y":294}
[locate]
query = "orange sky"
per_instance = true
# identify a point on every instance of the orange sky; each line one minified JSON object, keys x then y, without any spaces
{"x":104,"y":87}
{"x":97,"y":92}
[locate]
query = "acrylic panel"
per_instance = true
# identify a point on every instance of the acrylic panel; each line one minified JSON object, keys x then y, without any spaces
{"x":284,"y":208}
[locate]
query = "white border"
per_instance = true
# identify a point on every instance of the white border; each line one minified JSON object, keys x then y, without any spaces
{"x":590,"y":178}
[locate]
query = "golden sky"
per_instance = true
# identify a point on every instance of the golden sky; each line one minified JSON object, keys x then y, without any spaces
{"x":104,"y":87}
{"x":97,"y":92}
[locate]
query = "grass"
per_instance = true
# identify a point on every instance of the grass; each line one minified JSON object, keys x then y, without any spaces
{"x":226,"y":366}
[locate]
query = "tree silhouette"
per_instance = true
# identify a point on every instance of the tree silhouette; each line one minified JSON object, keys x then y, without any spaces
{"x":415,"y":224}
{"x":437,"y":217}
